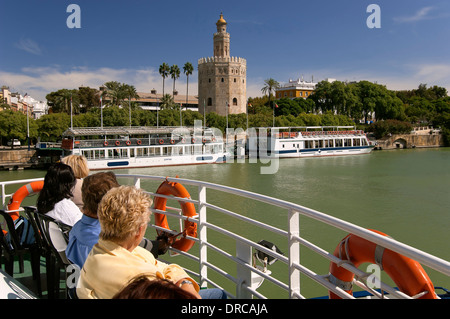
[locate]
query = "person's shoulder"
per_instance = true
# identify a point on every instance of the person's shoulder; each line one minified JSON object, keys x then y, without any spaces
{"x":68,"y":204}
{"x":144,"y":253}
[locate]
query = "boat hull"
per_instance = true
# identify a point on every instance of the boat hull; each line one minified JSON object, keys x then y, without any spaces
{"x":320,"y":152}
{"x":154,"y":161}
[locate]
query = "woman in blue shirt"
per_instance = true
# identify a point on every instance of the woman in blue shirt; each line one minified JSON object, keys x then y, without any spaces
{"x":84,"y":234}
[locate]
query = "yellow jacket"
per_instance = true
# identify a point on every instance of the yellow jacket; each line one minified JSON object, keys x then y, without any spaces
{"x":110,"y":267}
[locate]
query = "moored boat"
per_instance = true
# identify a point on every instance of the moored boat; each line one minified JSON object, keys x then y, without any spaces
{"x":133,"y":147}
{"x":309,"y":141}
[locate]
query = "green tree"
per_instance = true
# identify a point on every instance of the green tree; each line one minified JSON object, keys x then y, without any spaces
{"x":14,"y":125}
{"x":51,"y":126}
{"x":89,"y":98}
{"x":168,"y":117}
{"x":258,"y":105}
{"x":288,"y":106}
{"x":167,"y":102}
{"x":322,"y":97}
{"x":60,"y":101}
{"x":117,"y":92}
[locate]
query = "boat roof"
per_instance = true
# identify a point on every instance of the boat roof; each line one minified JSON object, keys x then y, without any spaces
{"x":122,"y":130}
{"x":334,"y":127}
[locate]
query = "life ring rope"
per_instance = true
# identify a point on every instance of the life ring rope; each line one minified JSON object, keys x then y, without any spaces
{"x":408,"y":274}
{"x":174,"y":190}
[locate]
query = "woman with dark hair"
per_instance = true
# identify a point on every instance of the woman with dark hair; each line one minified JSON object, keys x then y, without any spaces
{"x":142,"y":287}
{"x":54,"y":198}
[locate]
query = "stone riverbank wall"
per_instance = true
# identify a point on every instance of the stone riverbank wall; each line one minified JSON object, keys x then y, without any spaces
{"x":398,"y":141}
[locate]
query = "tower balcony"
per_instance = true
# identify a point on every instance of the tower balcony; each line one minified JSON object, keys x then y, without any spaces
{"x":216,"y":59}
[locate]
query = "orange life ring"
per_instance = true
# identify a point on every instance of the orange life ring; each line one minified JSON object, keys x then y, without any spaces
{"x":172,"y":142}
{"x":139,"y":142}
{"x":117,"y":143}
{"x":188,"y":209}
{"x":407,"y":274}
{"x":128,"y":142}
{"x":161,"y":141}
{"x":193,"y":140}
{"x":105,"y":143}
{"x":204,"y":140}
{"x":20,"y":194}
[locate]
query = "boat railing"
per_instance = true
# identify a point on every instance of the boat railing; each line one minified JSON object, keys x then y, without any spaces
{"x":247,"y":277}
{"x":8,"y":189}
{"x":320,"y":134}
{"x":146,"y":141}
{"x":227,"y":254}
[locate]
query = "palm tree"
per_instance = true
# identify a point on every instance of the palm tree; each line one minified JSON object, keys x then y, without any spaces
{"x":113,"y":92}
{"x":188,"y":69}
{"x":164,"y":71}
{"x":270,"y":87}
{"x":174,"y":74}
{"x":129,"y":90}
{"x":167,"y":102}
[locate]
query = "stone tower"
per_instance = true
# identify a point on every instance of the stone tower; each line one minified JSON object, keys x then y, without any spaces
{"x":221,"y":78}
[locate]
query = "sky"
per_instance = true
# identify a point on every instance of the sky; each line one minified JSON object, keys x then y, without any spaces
{"x":127,"y":41}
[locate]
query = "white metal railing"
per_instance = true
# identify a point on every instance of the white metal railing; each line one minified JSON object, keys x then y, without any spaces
{"x":247,"y":274}
{"x":248,"y":277}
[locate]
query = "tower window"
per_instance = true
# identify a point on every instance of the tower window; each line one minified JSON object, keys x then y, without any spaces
{"x":209,"y":101}
{"x":235,"y":101}
{"x":234,"y":80}
{"x":222,"y":80}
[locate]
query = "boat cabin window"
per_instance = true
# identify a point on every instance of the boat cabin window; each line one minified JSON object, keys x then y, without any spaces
{"x":88,"y":154}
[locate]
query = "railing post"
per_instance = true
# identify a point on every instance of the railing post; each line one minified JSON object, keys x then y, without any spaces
{"x":203,"y":238}
{"x":3,"y":196}
{"x":244,"y":275}
{"x":137,"y":182}
{"x":294,"y":253}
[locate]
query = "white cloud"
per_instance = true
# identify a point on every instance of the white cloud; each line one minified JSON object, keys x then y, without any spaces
{"x":29,"y":46}
{"x":422,"y":14}
{"x":401,"y":77}
{"x":40,"y":81}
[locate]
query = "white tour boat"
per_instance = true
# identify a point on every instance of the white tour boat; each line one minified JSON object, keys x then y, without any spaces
{"x":133,"y":147}
{"x":309,"y":141}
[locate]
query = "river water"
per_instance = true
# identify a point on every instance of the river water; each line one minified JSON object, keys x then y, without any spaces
{"x":403,"y":193}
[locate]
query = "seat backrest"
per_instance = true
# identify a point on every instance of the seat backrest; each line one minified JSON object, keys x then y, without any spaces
{"x":3,"y":242}
{"x":11,"y":230}
{"x":56,"y":236}
{"x":55,"y":233}
{"x":31,"y":212}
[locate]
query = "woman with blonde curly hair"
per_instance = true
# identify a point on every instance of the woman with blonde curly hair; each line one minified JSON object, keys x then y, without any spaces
{"x":123,"y":214}
{"x":80,"y":169}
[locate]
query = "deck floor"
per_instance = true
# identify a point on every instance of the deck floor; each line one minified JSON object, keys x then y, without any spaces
{"x":26,"y":278}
